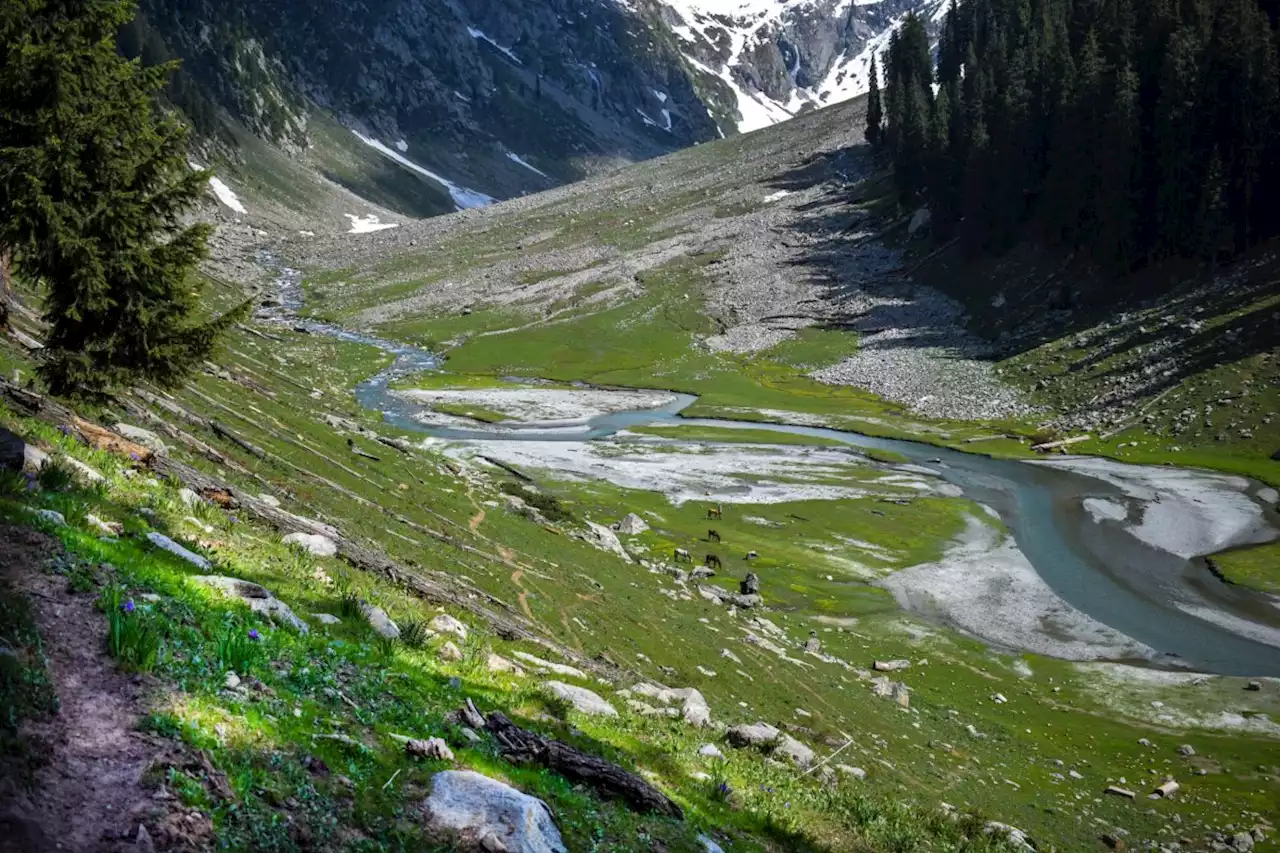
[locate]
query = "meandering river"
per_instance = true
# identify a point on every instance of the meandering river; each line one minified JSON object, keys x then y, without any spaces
{"x":1098,"y":565}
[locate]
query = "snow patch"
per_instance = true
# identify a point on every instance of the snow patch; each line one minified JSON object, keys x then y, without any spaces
{"x":462,"y":197}
{"x":402,"y":146}
{"x":368,"y":224}
{"x":516,"y":158}
{"x":222,"y":191}
{"x":480,"y":36}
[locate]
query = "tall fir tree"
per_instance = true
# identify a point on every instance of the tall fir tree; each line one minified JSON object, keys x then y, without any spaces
{"x":94,"y":183}
{"x":875,"y":109}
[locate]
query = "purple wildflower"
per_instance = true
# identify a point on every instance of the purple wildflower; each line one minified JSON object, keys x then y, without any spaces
{"x":234,"y":520}
{"x":135,"y":457}
{"x":64,"y":429}
{"x":128,"y":606}
{"x":723,"y":788}
{"x":254,"y":635}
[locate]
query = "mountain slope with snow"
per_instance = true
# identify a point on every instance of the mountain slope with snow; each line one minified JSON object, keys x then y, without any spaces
{"x":456,"y":103}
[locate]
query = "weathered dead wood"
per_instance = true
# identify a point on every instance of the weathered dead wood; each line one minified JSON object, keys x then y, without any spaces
{"x":510,"y":469}
{"x":222,"y":432}
{"x":1050,"y":445}
{"x":520,"y":745}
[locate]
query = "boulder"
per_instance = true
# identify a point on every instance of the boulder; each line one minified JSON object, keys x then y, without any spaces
{"x":693,"y":705}
{"x":474,"y":812}
{"x":710,"y":750}
{"x":750,"y":584}
{"x":326,"y":619}
{"x":106,"y":528}
{"x":752,"y":734}
{"x":379,"y":621}
{"x":548,"y":666}
{"x":605,"y":539}
{"x":145,"y":437}
{"x":709,"y":845}
{"x":52,"y":516}
{"x":631,"y":525}
{"x":258,"y":599}
{"x":449,"y":652}
{"x":497,"y":663}
{"x":82,"y":472}
{"x":164,"y":543}
{"x":269,"y":500}
{"x":446,"y":624}
{"x":895,"y":690}
{"x":919,"y":220}
{"x":312,"y":543}
{"x":582,"y":699}
{"x":17,"y":455}
{"x":850,"y":770}
{"x":188,"y":497}
{"x":792,"y":750}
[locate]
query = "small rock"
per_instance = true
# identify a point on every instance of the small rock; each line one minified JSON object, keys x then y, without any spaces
{"x":710,"y":750}
{"x":166,"y":544}
{"x":583,"y":700}
{"x":433,"y":748}
{"x":1168,"y":788}
{"x":794,"y":751}
{"x":497,"y":663}
{"x":145,"y":437}
{"x":258,"y":598}
{"x":326,"y":619}
{"x":269,"y":500}
{"x":83,"y":472}
{"x":1116,"y":790}
{"x":1242,"y":842}
{"x":106,"y":528}
{"x":1253,"y":685}
{"x":849,"y":770}
{"x":379,"y":621}
{"x":443,"y":623}
{"x":187,"y":497}
{"x":890,"y":665}
{"x":142,"y":842}
{"x":231,"y":681}
{"x":999,"y":698}
{"x":708,"y":845}
{"x":754,"y":734}
{"x":1186,"y":750}
{"x":53,"y":517}
{"x":312,"y":543}
{"x":449,"y":652}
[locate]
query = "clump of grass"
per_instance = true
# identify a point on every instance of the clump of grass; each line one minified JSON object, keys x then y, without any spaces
{"x":384,"y":646}
{"x":349,"y":604}
{"x":238,"y":649}
{"x":132,"y":639}
{"x":415,"y":633}
{"x":544,"y":503}
{"x":56,"y":476}
{"x":13,"y":483}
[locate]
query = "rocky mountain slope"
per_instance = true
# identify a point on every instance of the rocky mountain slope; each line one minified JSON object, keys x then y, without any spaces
{"x":428,"y":106}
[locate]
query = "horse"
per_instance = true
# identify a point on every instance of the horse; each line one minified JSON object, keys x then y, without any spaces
{"x":711,"y":561}
{"x":681,"y":555}
{"x":713,"y":536}
{"x":751,"y":555}
{"x":716,"y":511}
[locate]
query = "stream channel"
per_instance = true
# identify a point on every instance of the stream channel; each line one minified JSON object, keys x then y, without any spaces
{"x":1097,"y":565}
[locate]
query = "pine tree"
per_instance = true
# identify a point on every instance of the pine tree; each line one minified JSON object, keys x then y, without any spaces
{"x":875,"y":110}
{"x":93,"y":185}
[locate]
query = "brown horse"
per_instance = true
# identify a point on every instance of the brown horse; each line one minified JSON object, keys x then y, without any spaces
{"x":711,"y":561}
{"x":713,"y":536}
{"x":716,"y":511}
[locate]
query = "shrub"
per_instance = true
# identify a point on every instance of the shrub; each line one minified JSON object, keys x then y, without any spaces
{"x":544,"y":503}
{"x":132,"y":638}
{"x":349,"y":604}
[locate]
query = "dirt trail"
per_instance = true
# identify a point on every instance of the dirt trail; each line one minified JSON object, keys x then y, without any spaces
{"x":88,"y":791}
{"x":476,"y":521}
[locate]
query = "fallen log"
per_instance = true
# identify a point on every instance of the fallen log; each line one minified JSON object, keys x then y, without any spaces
{"x":222,"y":432}
{"x":510,"y":469}
{"x":523,"y":746}
{"x":1050,"y":445}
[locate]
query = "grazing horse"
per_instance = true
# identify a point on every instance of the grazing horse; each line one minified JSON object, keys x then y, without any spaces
{"x":751,"y":555}
{"x":713,"y":536}
{"x":681,"y":555}
{"x":716,"y":511}
{"x":712,"y":562}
